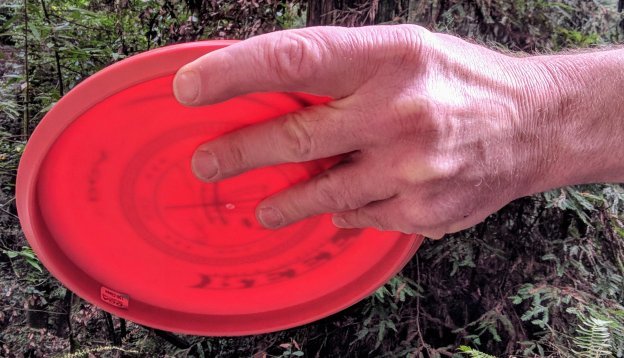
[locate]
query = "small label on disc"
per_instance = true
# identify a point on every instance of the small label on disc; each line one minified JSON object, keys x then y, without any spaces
{"x":114,"y":298}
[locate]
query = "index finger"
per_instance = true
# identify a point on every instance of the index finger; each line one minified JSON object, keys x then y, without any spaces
{"x":329,"y":61}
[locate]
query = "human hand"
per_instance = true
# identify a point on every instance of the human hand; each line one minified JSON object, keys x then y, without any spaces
{"x":437,"y":133}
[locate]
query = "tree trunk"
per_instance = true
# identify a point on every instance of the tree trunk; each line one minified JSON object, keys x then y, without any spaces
{"x":355,"y":12}
{"x":323,"y":12}
{"x":416,"y":10}
{"x":385,"y":11}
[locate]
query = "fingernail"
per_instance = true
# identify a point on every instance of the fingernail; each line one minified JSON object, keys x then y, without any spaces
{"x":186,"y":86}
{"x":270,"y":217}
{"x":340,"y":222}
{"x":205,"y":165}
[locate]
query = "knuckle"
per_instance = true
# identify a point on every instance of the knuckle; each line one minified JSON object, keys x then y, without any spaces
{"x":418,"y":217}
{"x":293,"y":56}
{"x":235,"y":160}
{"x":443,"y":168}
{"x":433,"y":214}
{"x":410,"y":218}
{"x":411,"y":39}
{"x":427,"y":169}
{"x":331,"y":194}
{"x":412,"y":113}
{"x":377,"y":222}
{"x":406,"y":46}
{"x":427,"y":116}
{"x":297,"y":137}
{"x":439,"y":125}
{"x":410,"y":228}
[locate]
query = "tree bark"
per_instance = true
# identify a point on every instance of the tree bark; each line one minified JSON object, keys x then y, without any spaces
{"x":416,"y":10}
{"x":385,"y":11}
{"x":355,"y":12}
{"x":322,"y":12}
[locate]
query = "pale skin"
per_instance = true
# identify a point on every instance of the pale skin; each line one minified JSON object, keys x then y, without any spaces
{"x":437,"y":133}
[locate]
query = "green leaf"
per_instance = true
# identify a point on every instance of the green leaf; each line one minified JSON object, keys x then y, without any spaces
{"x":34,"y":263}
{"x":36,"y":34}
{"x":473,"y":353}
{"x":362,"y":333}
{"x":48,"y":107}
{"x":27,"y":253}
{"x":11,"y":254}
{"x":516,"y":300}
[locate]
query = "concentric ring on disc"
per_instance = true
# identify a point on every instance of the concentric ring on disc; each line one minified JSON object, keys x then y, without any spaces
{"x":107,"y":200}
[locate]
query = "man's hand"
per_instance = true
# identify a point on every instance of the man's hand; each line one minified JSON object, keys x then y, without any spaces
{"x":437,"y":133}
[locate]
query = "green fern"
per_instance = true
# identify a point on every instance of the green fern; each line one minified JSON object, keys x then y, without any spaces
{"x":473,"y":353}
{"x":90,"y":351}
{"x":593,"y":337}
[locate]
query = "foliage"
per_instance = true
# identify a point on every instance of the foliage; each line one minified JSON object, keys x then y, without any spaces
{"x":28,"y":255}
{"x":90,"y":352}
{"x":10,"y":151}
{"x":383,"y":310}
{"x":542,"y":277}
{"x":473,"y":353}
{"x":532,"y":25}
{"x":594,"y":338}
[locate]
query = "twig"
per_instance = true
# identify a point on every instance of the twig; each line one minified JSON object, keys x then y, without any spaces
{"x":438,"y":321}
{"x":178,"y":342}
{"x":420,"y":335}
{"x":81,"y":74}
{"x":148,"y":34}
{"x":25,"y":124}
{"x":444,"y":352}
{"x":102,"y":29}
{"x":12,"y":308}
{"x":67,"y":302}
{"x":175,"y":340}
{"x":8,"y":202}
{"x":122,"y":328}
{"x":111,"y":329}
{"x":119,"y":28}
{"x":57,"y":58}
{"x":9,"y":213}
{"x":89,"y":351}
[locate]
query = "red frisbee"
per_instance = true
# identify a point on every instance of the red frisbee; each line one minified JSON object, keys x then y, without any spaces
{"x":108,"y":202}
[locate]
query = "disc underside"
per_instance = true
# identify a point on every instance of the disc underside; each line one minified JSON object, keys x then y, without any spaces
{"x":108,"y":201}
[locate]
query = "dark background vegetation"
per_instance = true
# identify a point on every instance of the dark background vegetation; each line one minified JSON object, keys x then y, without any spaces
{"x":542,"y":277}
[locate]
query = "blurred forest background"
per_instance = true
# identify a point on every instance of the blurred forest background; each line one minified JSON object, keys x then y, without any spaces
{"x":542,"y":277}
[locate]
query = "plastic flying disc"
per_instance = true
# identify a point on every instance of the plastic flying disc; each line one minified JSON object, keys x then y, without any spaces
{"x":108,"y":202}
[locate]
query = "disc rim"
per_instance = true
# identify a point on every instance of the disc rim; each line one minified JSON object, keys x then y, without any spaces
{"x":97,"y":88}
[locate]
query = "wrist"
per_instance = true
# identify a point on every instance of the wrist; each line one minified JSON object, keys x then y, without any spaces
{"x":574,"y":108}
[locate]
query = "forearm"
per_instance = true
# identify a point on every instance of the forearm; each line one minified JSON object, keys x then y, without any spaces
{"x":579,"y":111}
